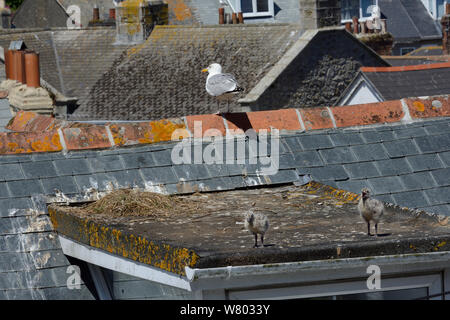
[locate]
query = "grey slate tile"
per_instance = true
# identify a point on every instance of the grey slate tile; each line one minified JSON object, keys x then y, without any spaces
{"x":282,"y":176}
{"x":411,"y":199}
{"x":47,"y":156}
{"x":15,"y":158}
{"x":16,"y":261}
{"x":161,"y":175}
{"x":376,"y":136}
{"x":386,"y":185}
{"x":304,"y":159}
{"x":441,"y":176}
{"x":10,"y":171}
{"x":425,"y":162}
{"x":392,"y":167}
{"x":22,"y":188}
{"x":218,"y":170}
{"x":162,"y":157}
{"x":48,"y":259}
{"x":41,"y":169}
{"x":65,"y":185}
{"x":191,"y":172}
{"x":432,"y":144}
{"x":346,"y":139}
{"x":72,"y":166}
{"x":418,"y":181}
{"x":438,"y":195}
{"x":410,"y":132}
{"x":292,"y":143}
{"x":331,"y":172}
{"x":437,"y":127}
{"x":127,"y":178}
{"x":362,"y":170}
{"x":62,"y":293}
{"x":354,"y":186}
{"x":137,"y":160}
{"x":370,"y":152}
{"x":401,"y":148}
{"x":386,"y":198}
{"x":445,"y":157}
{"x":106,"y":163}
{"x":339,"y":155}
{"x":315,"y":142}
{"x":16,"y":203}
{"x":4,"y":192}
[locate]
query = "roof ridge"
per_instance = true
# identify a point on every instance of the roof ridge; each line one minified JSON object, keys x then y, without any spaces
{"x":407,"y":68}
{"x":39,"y":133}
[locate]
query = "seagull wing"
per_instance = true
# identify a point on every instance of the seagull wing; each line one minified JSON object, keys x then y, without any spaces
{"x":221,"y":83}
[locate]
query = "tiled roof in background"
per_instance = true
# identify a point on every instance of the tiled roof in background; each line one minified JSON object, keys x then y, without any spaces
{"x":409,"y":20}
{"x":148,"y":83}
{"x":70,"y":60}
{"x":404,"y":81}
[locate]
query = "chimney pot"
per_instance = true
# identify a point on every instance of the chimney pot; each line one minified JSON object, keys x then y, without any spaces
{"x":240,"y":17}
{"x":32,"y":73}
{"x":447,"y":8}
{"x":19,"y":66}
{"x":221,"y":16}
{"x":96,"y":14}
{"x":234,"y":18}
{"x":112,"y":14}
{"x":355,"y":25}
{"x":9,"y":64}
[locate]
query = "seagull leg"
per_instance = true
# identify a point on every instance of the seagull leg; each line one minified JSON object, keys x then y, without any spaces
{"x":256,"y":241}
{"x":368,"y":229}
{"x":262,"y":240}
{"x":376,"y":229}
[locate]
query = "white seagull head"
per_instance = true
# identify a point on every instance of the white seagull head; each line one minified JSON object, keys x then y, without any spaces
{"x":214,"y":68}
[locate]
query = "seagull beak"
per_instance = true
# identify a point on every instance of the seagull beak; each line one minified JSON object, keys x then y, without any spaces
{"x":205,"y":70}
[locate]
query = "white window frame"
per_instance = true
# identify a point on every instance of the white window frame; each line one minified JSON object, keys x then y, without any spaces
{"x":361,"y":18}
{"x":254,"y":14}
{"x":433,"y":282}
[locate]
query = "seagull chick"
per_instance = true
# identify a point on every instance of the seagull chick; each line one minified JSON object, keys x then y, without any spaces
{"x":256,"y":223}
{"x":370,"y":210}
{"x":221,"y":85}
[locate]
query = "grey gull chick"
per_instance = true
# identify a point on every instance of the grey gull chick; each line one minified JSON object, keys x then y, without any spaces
{"x":256,"y":223}
{"x":370,"y":209}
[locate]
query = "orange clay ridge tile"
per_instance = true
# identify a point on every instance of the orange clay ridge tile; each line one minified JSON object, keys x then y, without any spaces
{"x":38,"y":133}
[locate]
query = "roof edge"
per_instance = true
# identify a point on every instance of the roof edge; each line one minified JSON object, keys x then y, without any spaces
{"x":39,"y":133}
{"x":407,"y":68}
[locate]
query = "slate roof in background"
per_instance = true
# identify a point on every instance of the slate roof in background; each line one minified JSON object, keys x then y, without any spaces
{"x":40,"y":14}
{"x":429,"y":80}
{"x":412,"y":61}
{"x":149,"y":83}
{"x":70,"y":60}
{"x":409,"y":20}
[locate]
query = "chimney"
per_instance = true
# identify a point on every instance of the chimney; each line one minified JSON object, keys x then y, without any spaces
{"x":445,"y":22}
{"x":112,"y":14}
{"x":135,"y":19}
{"x":315,"y":14}
{"x":8,"y":64}
{"x":19,"y":66}
{"x":32,"y":73}
{"x":96,"y":14}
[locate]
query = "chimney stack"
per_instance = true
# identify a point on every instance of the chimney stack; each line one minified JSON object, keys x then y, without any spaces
{"x":315,"y":14}
{"x":445,"y":22}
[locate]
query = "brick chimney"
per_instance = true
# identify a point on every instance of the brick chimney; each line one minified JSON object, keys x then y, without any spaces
{"x":445,"y":22}
{"x":135,"y":19}
{"x":316,"y":14}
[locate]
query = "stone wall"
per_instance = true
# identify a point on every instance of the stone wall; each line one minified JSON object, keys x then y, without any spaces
{"x":318,"y":75}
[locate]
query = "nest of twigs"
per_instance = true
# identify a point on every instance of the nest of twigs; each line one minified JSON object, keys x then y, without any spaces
{"x":132,"y":202}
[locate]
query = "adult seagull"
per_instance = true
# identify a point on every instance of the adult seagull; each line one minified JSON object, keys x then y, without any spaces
{"x":221,"y":85}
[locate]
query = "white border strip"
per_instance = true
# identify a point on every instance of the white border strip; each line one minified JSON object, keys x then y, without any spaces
{"x":332,"y":117}
{"x":119,"y":264}
{"x":61,"y":139}
{"x":299,"y":116}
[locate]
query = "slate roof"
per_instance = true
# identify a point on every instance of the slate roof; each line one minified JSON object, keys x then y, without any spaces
{"x":150,"y":83}
{"x":409,"y":20}
{"x":66,"y":55}
{"x":396,"y":83}
{"x":40,"y":14}
{"x":274,"y":62}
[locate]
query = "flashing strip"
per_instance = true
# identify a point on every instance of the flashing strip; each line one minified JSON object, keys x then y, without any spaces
{"x":119,"y":264}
